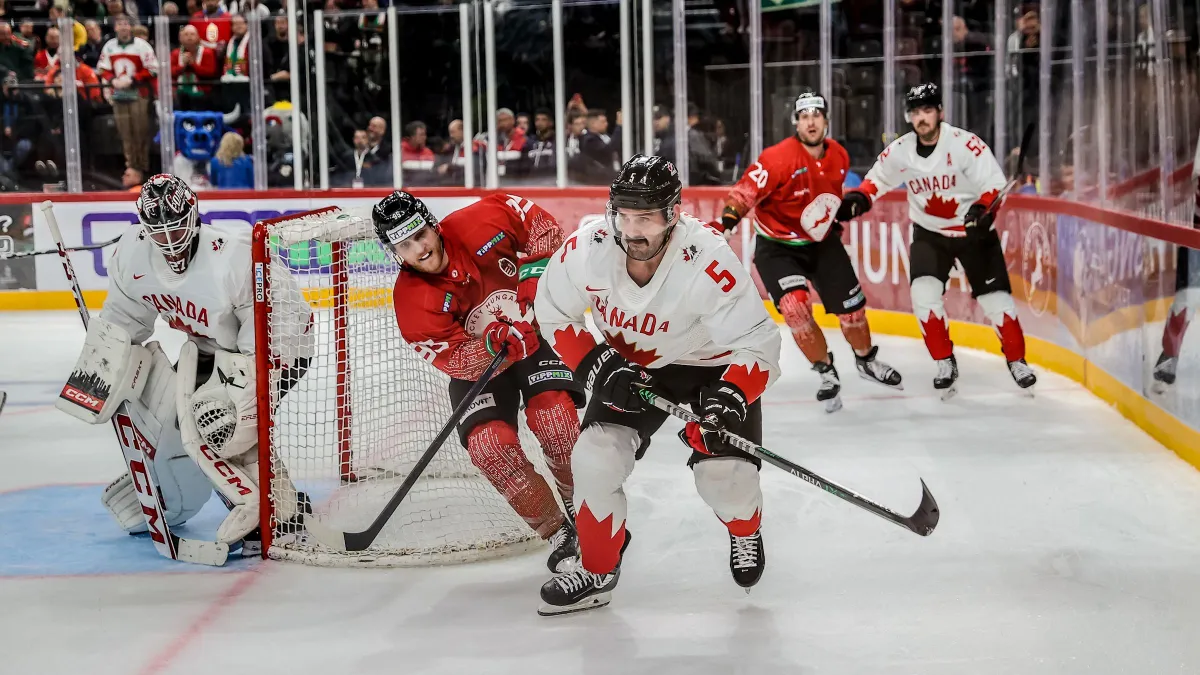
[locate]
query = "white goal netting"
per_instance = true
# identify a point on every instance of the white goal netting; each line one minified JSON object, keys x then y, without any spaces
{"x":350,"y":429}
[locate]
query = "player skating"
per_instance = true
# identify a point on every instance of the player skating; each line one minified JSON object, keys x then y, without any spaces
{"x":197,"y":279}
{"x":795,"y":188}
{"x":680,"y":314}
{"x":952,"y":178}
{"x":1187,"y":298}
{"x":465,"y":288}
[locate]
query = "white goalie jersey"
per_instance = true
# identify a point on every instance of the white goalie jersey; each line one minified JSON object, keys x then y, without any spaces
{"x":213,"y":301}
{"x":701,"y":308}
{"x":960,"y":172}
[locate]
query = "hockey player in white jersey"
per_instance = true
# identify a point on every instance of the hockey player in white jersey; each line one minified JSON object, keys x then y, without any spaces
{"x":1186,"y":301}
{"x":680,"y":314}
{"x":198,"y":280}
{"x":952,"y":180}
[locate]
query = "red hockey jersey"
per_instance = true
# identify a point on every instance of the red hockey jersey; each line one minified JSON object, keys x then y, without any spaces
{"x":444,"y":316}
{"x":785,"y":182}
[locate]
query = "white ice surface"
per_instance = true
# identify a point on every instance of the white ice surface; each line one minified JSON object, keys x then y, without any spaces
{"x":1069,"y":543}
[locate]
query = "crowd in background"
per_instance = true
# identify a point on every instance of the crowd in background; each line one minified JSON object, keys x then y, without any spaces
{"x":117,"y":82}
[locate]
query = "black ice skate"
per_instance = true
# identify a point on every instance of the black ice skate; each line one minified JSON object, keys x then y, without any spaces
{"x":946,"y":380}
{"x":870,"y":368}
{"x":577,"y":589}
{"x":564,"y":548}
{"x":747,"y":559}
{"x":1023,"y":375}
{"x":831,"y":386}
{"x":1164,"y":372}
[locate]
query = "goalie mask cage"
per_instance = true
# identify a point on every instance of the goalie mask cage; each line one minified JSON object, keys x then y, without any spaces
{"x":348,"y":431}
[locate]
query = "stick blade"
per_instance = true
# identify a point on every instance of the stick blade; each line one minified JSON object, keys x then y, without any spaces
{"x":325,"y":535}
{"x":927,"y":515}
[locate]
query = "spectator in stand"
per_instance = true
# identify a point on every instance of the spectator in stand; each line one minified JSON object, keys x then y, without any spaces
{"x":539,"y":150}
{"x":523,"y":123}
{"x":84,"y":9}
{"x":232,"y":169}
{"x":132,"y":180}
{"x":87,"y":84}
{"x":15,"y":57}
{"x":115,"y":8}
{"x":596,"y":145}
{"x":508,"y":135}
{"x":128,"y":64}
{"x":380,"y":148}
{"x":449,"y":163}
{"x":237,"y":52}
{"x":141,"y":31}
{"x":214,"y":25}
{"x":414,"y":154}
{"x":47,"y":55}
{"x":702,"y":160}
{"x":89,"y":53}
{"x":193,"y":66}
{"x":277,"y":46}
{"x":369,"y":170}
{"x":664,"y":133}
{"x":29,"y":36}
{"x":248,"y":7}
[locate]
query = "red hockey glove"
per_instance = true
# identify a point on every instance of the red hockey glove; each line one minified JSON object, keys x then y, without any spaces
{"x":520,"y":336}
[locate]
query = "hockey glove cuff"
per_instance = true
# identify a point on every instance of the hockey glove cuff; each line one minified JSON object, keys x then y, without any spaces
{"x":854,"y":204}
{"x":613,"y":380}
{"x":527,"y":283}
{"x":722,"y":405}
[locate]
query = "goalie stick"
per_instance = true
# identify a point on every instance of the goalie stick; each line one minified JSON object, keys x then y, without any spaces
{"x":360,"y":541}
{"x":69,"y":249}
{"x":922,"y":522}
{"x":137,"y":462}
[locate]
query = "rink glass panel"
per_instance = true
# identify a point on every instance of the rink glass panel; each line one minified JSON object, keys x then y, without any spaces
{"x":366,"y":409}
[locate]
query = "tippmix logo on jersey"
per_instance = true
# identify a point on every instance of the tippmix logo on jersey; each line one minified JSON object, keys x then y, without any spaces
{"x":491,"y":243}
{"x":446,"y":302}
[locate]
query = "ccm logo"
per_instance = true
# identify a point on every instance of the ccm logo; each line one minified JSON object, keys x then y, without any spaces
{"x":82,"y":398}
{"x":226,"y":471}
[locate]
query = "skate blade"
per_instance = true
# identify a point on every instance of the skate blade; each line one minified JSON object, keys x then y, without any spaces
{"x":899,"y":386}
{"x":591,"y":602}
{"x":834,"y":404}
{"x":949,"y":392}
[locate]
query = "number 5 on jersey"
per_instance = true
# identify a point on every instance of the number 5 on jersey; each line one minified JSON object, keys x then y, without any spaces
{"x":722,"y":277}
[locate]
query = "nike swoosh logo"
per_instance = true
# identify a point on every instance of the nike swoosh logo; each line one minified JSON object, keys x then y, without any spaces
{"x":594,"y":290}
{"x":138,"y":276}
{"x":990,"y":280}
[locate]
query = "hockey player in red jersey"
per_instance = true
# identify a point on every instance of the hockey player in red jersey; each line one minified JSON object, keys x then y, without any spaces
{"x":795,"y":188}
{"x":952,"y":178}
{"x":465,"y":288}
{"x":1187,"y":298}
{"x":679,"y":313}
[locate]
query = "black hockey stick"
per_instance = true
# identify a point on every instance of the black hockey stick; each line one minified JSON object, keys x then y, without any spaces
{"x":361,"y":541}
{"x":1022,"y":153}
{"x":68,"y":249}
{"x":921,"y":522}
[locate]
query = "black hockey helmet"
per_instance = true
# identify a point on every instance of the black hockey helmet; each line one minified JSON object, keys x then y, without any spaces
{"x":645,"y":183}
{"x":167,"y":210}
{"x":921,"y":95}
{"x":808,"y":99}
{"x":400,"y":216}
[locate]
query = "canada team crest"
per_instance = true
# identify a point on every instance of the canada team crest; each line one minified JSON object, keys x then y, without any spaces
{"x":500,"y":305}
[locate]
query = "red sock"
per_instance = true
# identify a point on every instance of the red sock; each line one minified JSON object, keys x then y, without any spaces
{"x":1012,"y":339}
{"x":599,"y":546}
{"x":937,"y":337}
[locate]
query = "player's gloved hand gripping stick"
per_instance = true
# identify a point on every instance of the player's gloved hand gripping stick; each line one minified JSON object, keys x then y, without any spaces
{"x":359,"y":541}
{"x":922,"y":522}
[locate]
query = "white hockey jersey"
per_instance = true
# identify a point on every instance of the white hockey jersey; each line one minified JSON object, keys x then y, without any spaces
{"x":213,"y":301}
{"x":942,"y":187}
{"x":701,"y":307}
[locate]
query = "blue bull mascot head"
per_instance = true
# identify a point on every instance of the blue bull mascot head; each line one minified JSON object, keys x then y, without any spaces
{"x":197,"y":134}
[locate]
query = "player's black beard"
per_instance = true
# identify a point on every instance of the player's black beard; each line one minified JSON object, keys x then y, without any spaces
{"x":666,"y":236}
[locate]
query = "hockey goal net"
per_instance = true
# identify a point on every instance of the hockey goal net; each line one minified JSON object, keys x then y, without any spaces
{"x":348,"y":430}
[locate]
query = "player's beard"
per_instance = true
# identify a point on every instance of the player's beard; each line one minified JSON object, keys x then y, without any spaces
{"x":645,"y":248}
{"x":928,"y":133}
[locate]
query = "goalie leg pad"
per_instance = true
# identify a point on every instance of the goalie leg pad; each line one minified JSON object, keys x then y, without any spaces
{"x":495,"y":449}
{"x":110,"y":371}
{"x":730,"y":485}
{"x":235,"y":485}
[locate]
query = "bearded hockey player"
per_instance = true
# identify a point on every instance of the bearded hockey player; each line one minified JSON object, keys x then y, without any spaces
{"x":952,"y":179}
{"x":678,"y":313}
{"x":1187,"y":298}
{"x":465,"y":289}
{"x":795,"y":189}
{"x":197,"y":279}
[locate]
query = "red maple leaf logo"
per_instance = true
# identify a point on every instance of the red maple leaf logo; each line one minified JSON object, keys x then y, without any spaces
{"x":218,"y":244}
{"x":1173,"y":334}
{"x":752,"y":381}
{"x":630,"y":351}
{"x":941,"y":208}
{"x":572,"y":344}
{"x":988,"y":197}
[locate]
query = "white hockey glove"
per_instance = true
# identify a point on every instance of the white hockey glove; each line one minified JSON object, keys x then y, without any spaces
{"x":110,"y":371}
